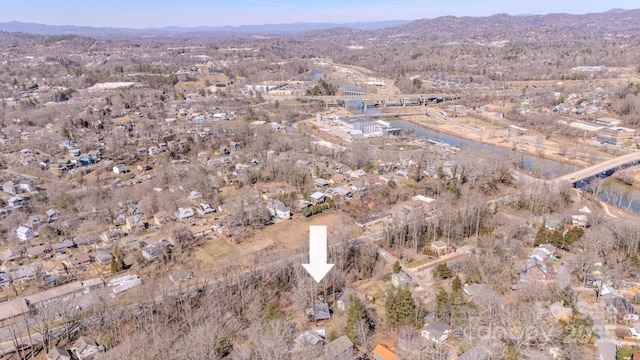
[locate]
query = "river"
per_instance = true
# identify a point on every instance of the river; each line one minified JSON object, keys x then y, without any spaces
{"x":540,"y":167}
{"x":610,"y":191}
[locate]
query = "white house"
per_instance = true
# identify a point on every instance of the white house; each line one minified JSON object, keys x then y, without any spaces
{"x":85,"y":347}
{"x":278,"y":209}
{"x":185,"y":213}
{"x":25,"y":233}
{"x":15,"y":202}
{"x":437,"y":332}
{"x":119,"y":169}
{"x":151,"y":252}
{"x":205,"y":208}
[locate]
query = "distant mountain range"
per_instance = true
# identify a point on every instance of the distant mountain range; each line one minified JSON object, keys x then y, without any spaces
{"x":612,"y":20}
{"x":273,"y":29}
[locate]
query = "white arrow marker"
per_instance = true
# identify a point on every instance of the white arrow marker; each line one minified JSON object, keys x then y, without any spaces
{"x":318,"y":267}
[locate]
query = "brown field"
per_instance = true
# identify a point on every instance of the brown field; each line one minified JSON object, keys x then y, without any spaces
{"x":289,"y":235}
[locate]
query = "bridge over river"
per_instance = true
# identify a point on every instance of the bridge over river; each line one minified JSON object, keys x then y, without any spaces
{"x":617,"y":163}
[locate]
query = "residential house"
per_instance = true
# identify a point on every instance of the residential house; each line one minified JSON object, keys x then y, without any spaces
{"x":551,"y":225}
{"x":358,"y":173}
{"x":185,"y":213}
{"x":547,"y":248}
{"x":317,"y":197}
{"x":359,"y":186}
{"x":54,"y":268}
{"x":38,"y":251}
{"x":413,"y":206}
{"x":5,"y":280}
{"x":152,"y":251}
{"x":62,"y":246}
{"x":539,"y":255}
{"x":86,"y":347}
{"x":52,"y":215}
{"x":320,"y":183}
{"x":79,"y":260}
{"x":11,"y":254}
{"x":234,"y":145}
{"x":309,"y":338}
{"x":103,"y":258}
{"x":34,"y":221}
{"x":162,"y":217}
{"x":10,"y":187}
{"x":474,"y":290}
{"x":400,"y":279}
{"x":339,"y":349}
{"x":23,"y":273}
{"x":428,"y":204}
{"x":634,"y":330}
{"x":134,"y":223}
{"x":58,"y":353}
{"x":338,"y":192}
{"x":579,"y":220}
{"x":26,"y":185}
{"x":533,"y":270}
{"x":15,"y":202}
{"x":181,"y":276}
{"x":437,"y":332}
{"x":81,"y":241}
{"x":278,"y":209}
{"x":25,"y":233}
{"x":120,"y":169}
{"x":223,"y":150}
{"x":439,"y":246}
{"x":382,"y":352}
{"x":194,"y":196}
{"x":205,"y":208}
{"x":320,"y":312}
{"x":475,"y":353}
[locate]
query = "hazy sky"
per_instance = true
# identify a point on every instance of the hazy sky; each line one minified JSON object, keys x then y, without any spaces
{"x":159,"y":13}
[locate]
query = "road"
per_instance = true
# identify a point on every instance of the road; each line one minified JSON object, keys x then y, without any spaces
{"x":599,"y":168}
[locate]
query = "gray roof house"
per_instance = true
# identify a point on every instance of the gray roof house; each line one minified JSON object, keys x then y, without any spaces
{"x":320,"y":311}
{"x":58,"y":353}
{"x":52,"y":215}
{"x":437,"y":332}
{"x":151,"y":252}
{"x":339,"y":349}
{"x":11,"y":254}
{"x":185,"y":213}
{"x":23,"y":273}
{"x":85,"y":347}
{"x":475,"y":353}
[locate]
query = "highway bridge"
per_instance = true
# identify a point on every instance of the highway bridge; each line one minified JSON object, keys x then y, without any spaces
{"x":367,"y":99}
{"x":613,"y":164}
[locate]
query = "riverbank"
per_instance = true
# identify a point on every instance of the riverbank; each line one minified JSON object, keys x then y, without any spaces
{"x":539,"y":145}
